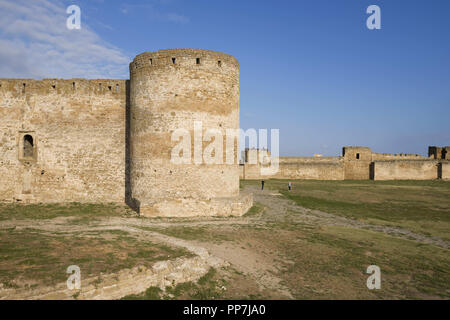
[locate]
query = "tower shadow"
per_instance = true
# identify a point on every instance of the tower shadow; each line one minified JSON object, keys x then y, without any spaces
{"x":129,"y":200}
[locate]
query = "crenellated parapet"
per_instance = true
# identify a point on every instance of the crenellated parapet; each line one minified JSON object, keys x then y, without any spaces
{"x":63,"y":87}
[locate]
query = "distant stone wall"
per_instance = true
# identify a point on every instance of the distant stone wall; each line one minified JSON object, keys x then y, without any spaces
{"x":75,"y":134}
{"x":399,"y":156}
{"x":316,"y":168}
{"x":252,"y":171}
{"x":356,"y":163}
{"x":445,"y":170}
{"x":406,"y":169}
{"x":311,"y":168}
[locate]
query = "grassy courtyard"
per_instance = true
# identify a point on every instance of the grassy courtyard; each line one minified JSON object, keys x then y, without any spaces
{"x":313,"y":242}
{"x":420,"y":206}
{"x":34,"y":251}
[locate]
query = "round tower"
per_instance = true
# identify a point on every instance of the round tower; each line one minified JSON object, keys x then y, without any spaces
{"x":183,"y":89}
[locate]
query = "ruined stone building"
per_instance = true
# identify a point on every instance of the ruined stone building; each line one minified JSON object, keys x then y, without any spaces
{"x":356,"y":163}
{"x":109,"y":140}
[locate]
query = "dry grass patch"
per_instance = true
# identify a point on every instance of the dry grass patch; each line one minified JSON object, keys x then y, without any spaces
{"x":33,"y":257}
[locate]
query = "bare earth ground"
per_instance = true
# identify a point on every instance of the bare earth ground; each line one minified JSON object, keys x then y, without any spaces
{"x":314,"y":242}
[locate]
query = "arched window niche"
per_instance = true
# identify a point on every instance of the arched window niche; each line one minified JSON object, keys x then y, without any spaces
{"x":27,"y":146}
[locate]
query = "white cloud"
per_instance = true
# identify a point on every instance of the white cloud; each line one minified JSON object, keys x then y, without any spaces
{"x":35,"y":43}
{"x":174,"y":17}
{"x":153,"y":12}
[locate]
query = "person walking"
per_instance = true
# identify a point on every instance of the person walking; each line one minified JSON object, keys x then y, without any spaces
{"x":289,"y":186}
{"x":262,"y":184}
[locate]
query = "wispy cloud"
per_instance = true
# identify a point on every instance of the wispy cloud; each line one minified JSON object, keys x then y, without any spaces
{"x":174,"y":17}
{"x":154,"y":12}
{"x":35,"y":43}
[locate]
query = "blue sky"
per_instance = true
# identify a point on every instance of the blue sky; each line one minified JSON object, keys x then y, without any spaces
{"x":310,"y":68}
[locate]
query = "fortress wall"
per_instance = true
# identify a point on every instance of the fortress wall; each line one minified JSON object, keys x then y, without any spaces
{"x":309,"y":159}
{"x":445,"y":170}
{"x":254,"y":156}
{"x":400,"y":156}
{"x":357,"y":163}
{"x":314,"y":168}
{"x":406,"y":170}
{"x":252,"y":172}
{"x":357,"y":170}
{"x":311,"y":171}
{"x":78,"y":132}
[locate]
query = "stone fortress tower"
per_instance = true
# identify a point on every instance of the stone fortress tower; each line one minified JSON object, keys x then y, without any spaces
{"x":173,"y":89}
{"x":110,"y":140}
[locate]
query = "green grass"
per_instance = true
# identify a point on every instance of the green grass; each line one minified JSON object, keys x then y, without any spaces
{"x":206,"y":288}
{"x":200,"y":233}
{"x":81,"y":213}
{"x":34,"y":255}
{"x":420,"y":206}
{"x":255,"y":210}
{"x":336,"y":259}
{"x":152,"y":293}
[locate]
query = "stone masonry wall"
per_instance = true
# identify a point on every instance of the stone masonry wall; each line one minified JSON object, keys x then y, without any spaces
{"x":78,"y":132}
{"x":406,"y":169}
{"x":315,"y":168}
{"x":357,"y":163}
{"x":400,"y":156}
{"x":445,"y":169}
{"x":309,"y":168}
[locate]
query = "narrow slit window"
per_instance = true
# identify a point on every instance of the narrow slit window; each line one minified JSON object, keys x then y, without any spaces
{"x":23,"y":88}
{"x":197,"y":60}
{"x":151,"y":61}
{"x":357,"y":156}
{"x":73,"y":86}
{"x":174,"y":61}
{"x":28,"y":146}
